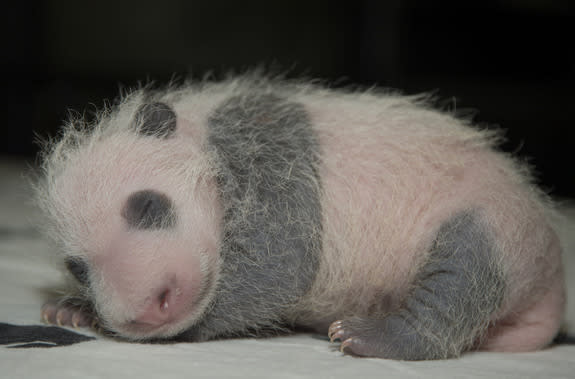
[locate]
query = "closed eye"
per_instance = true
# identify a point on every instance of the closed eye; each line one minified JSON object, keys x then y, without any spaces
{"x":79,"y":269}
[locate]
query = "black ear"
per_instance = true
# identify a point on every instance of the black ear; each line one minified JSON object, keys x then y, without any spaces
{"x":156,"y":119}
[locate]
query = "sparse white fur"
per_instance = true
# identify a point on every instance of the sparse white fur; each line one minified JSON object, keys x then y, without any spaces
{"x":392,"y":171}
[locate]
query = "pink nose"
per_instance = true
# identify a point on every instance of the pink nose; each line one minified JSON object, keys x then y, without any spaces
{"x":161,"y":308}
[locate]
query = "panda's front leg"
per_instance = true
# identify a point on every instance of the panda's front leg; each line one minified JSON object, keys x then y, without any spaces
{"x":455,"y":294}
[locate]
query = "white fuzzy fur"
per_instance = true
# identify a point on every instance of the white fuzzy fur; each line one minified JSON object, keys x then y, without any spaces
{"x":392,"y":171}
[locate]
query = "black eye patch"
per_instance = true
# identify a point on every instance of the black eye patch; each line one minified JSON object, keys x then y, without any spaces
{"x":149,"y":209}
{"x":79,"y":269}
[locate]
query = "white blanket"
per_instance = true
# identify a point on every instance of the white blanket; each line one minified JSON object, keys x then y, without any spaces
{"x":27,"y":271}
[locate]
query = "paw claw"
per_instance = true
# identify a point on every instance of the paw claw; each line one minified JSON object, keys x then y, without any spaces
{"x":45,"y":317}
{"x":345,"y":344}
{"x":335,"y":331}
{"x":355,"y":339}
{"x":75,"y":322}
{"x":59,"y":316}
{"x":47,"y":313}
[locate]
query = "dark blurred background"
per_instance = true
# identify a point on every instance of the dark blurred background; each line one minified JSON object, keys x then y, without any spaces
{"x":512,"y":61}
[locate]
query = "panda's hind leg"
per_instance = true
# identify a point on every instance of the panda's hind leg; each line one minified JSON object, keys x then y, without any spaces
{"x":530,"y":329}
{"x":456,"y":292}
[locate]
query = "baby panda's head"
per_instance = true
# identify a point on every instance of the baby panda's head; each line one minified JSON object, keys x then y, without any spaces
{"x":133,"y":204}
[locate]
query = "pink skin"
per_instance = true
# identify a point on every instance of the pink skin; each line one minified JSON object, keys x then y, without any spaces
{"x":397,"y":206}
{"x":165,"y":300}
{"x":143,"y":283}
{"x":159,"y":305}
{"x":154,"y":282}
{"x":534,"y":327}
{"x":150,"y":284}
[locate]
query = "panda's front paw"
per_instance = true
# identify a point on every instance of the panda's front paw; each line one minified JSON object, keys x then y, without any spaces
{"x":67,"y":314}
